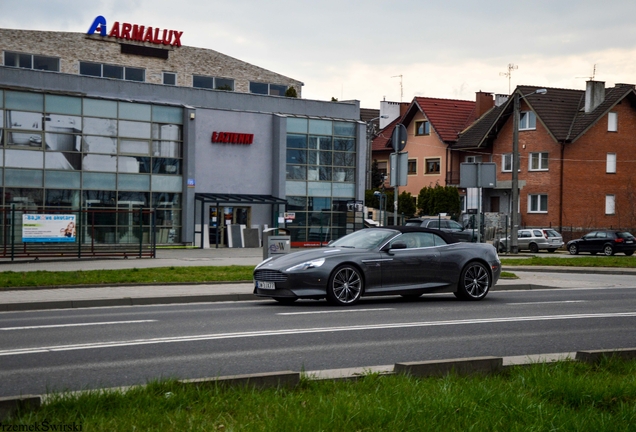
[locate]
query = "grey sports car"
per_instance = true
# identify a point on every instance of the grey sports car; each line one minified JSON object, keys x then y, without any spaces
{"x":401,"y":260}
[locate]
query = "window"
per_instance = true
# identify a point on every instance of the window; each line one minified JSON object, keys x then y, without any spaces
{"x":112,"y":71}
{"x":412,"y":167}
{"x":29,"y":61}
{"x":506,"y":162}
{"x":538,"y":161}
{"x":528,"y":120}
{"x":268,"y":89}
{"x":537,"y":203}
{"x":170,"y":78}
{"x":610,"y":204}
{"x":200,"y":81}
{"x":610,"y":166}
{"x":422,"y":128}
{"x":473,"y":159}
{"x":432,"y":166}
{"x":612,"y":122}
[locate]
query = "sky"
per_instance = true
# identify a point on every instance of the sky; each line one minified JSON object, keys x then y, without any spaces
{"x":378,"y":50}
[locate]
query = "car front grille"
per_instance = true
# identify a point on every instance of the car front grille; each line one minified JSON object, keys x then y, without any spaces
{"x":270,"y":276}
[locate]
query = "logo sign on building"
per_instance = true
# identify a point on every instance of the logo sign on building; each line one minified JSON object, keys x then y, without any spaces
{"x":39,"y":228}
{"x":232,"y":138}
{"x":134,"y":32}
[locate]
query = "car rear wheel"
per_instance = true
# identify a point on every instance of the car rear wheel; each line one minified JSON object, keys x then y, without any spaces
{"x":629,"y":253}
{"x":345,"y":286}
{"x":573,"y":249}
{"x":608,"y":250}
{"x":285,"y":300}
{"x":474,"y":282}
{"x":533,"y":247}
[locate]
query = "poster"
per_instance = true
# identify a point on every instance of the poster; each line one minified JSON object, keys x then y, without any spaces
{"x":48,"y":228}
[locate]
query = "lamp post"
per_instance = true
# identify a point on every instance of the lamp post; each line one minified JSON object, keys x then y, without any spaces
{"x":514,"y":219}
{"x":382,"y":197}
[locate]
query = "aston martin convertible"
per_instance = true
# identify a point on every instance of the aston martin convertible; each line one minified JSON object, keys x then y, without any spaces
{"x":401,"y":260}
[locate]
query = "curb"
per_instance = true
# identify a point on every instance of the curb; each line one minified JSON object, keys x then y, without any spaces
{"x":433,"y":368}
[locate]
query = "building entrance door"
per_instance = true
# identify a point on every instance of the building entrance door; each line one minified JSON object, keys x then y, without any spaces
{"x":227,"y":216}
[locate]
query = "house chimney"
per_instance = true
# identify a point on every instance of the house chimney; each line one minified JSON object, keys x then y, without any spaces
{"x":483,"y":103}
{"x":594,"y":95}
{"x":501,"y":99}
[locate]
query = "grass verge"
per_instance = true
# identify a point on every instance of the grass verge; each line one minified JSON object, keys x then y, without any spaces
{"x":560,"y":396}
{"x":589,"y":261}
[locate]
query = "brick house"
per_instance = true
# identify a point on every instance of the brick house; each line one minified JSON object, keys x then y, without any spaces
{"x":577,"y":156}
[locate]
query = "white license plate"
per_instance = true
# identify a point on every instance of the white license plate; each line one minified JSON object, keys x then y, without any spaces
{"x":265,"y":285}
{"x":629,"y":241}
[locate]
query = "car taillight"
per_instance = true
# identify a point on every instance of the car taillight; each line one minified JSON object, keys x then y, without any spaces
{"x":619,"y":240}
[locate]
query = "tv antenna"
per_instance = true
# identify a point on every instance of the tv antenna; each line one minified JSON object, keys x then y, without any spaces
{"x":593,"y":74}
{"x":508,"y":74}
{"x":401,"y":87}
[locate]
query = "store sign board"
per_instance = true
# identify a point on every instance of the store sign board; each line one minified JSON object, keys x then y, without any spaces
{"x":38,"y":228}
{"x":232,"y":138}
{"x":134,"y":32}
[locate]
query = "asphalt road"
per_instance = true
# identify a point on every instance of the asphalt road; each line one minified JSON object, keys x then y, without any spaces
{"x":119,"y":346}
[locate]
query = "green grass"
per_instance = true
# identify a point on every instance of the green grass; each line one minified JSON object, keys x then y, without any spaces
{"x":578,"y":261}
{"x":9,"y":279}
{"x":562,"y":396}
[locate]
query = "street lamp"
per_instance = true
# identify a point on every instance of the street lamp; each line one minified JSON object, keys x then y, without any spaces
{"x":382,"y":197}
{"x":514,"y":222}
{"x":370,"y":133}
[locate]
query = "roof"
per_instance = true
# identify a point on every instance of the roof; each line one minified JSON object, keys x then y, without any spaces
{"x":448,"y":117}
{"x":382,"y":141}
{"x":561,"y":111}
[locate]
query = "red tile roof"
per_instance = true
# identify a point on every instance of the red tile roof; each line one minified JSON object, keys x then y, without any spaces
{"x":448,"y":117}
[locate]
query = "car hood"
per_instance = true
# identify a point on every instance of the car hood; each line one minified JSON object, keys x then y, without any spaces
{"x":287,"y":260}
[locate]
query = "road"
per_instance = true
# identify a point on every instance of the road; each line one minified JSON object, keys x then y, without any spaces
{"x":119,"y":346}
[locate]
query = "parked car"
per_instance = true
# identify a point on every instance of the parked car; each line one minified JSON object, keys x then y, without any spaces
{"x":607,"y":242}
{"x":534,"y":240}
{"x":403,"y":260}
{"x":449,"y":226}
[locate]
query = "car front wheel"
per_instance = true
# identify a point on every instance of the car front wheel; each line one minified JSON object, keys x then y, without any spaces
{"x":345,"y":286}
{"x":573,"y":249}
{"x":534,"y":248}
{"x":608,"y":250}
{"x":474,"y":282}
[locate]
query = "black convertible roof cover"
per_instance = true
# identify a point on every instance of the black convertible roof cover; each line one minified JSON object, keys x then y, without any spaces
{"x":406,"y":229}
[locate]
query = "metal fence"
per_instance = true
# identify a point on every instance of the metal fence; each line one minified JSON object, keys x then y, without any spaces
{"x":39,"y":232}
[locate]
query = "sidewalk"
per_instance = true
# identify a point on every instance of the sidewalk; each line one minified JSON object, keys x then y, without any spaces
{"x":530,"y":277}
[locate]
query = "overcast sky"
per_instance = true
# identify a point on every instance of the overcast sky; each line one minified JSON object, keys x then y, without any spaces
{"x":358,"y":49}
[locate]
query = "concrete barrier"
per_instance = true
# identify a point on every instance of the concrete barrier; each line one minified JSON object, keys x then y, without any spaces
{"x":265,"y":380}
{"x":443,"y":367}
{"x":596,"y":355}
{"x":10,"y":405}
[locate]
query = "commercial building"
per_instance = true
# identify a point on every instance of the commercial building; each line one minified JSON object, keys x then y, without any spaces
{"x":203,"y":139}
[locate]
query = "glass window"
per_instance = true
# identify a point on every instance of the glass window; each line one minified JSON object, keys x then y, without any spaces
{"x":166,"y":166}
{"x":277,"y":90}
{"x":259,"y":88}
{"x":166,"y":149}
{"x":63,"y":105}
{"x":610,"y":166}
{"x":318,"y":189}
{"x":135,"y":111}
{"x":344,"y":190}
{"x":432,"y":166}
{"x":62,"y":197}
{"x":170,"y":78}
{"x":202,"y":81}
{"x":344,"y":129}
{"x":224,"y":84}
{"x":320,"y":127}
{"x":168,"y":114}
{"x":129,"y":164}
{"x":296,"y":188}
{"x":344,"y":144}
{"x":24,"y":101}
{"x":103,"y":127}
{"x":167,"y":183}
{"x":537,"y":203}
{"x":91,"y":69}
{"x":295,"y":203}
{"x":62,"y":179}
{"x":133,"y":182}
{"x":506,"y":162}
{"x":22,"y":196}
{"x":296,"y":156}
{"x":112,"y":71}
{"x":422,"y":128}
{"x":135,"y":74}
{"x":23,"y":177}
{"x":344,"y":159}
{"x":134,"y":147}
{"x":99,"y":181}
{"x":134,"y":129}
{"x":538,"y":161}
{"x":298,"y":125}
{"x":98,"y":162}
{"x":296,"y":172}
{"x":610,"y":204}
{"x":24,"y":159}
{"x":296,"y":141}
{"x":412,"y":167}
{"x":527,"y":120}
{"x":63,"y":161}
{"x":100,"y":108}
{"x":612,"y":122}
{"x":97,"y":144}
{"x":46,"y":63}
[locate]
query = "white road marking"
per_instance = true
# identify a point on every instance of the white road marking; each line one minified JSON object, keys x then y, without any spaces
{"x":75,"y":325}
{"x":549,"y":302}
{"x":334,"y":311}
{"x":237,"y":335}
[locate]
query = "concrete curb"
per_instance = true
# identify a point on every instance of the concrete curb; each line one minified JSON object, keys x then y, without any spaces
{"x":433,"y":368}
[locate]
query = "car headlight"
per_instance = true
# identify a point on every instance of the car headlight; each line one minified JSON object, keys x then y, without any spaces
{"x":307,"y":265}
{"x":267,"y":260}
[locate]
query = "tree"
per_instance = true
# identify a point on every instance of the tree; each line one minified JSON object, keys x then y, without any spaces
{"x":377,"y":178}
{"x":291,"y":92}
{"x":406,"y":204}
{"x":439,"y":199}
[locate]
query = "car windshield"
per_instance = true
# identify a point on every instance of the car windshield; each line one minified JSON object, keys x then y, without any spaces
{"x":552,"y":233}
{"x":365,"y":239}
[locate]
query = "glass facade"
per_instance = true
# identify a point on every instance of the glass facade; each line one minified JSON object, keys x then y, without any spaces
{"x":320,"y":177}
{"x":69,"y":152}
